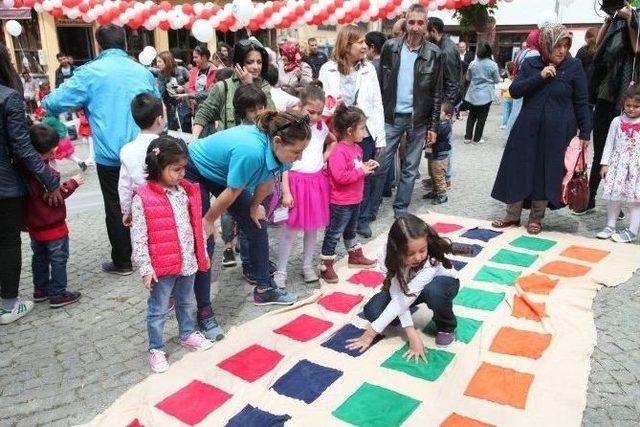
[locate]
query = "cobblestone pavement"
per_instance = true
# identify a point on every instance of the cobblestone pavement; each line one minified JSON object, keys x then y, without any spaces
{"x":62,"y":367}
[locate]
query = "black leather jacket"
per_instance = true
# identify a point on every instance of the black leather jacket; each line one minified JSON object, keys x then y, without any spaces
{"x":452,"y":67}
{"x":17,"y":154}
{"x":427,"y":82}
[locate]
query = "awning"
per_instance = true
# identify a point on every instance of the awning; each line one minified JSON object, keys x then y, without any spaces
{"x":15,"y":13}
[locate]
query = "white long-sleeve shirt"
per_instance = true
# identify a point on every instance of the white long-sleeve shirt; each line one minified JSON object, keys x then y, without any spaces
{"x":132,"y":169}
{"x":400,"y":303}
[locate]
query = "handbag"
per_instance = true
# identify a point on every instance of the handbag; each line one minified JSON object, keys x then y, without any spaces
{"x":577,"y":189}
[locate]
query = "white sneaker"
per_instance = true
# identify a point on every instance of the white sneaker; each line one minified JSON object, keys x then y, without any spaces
{"x":503,"y":127}
{"x":19,"y":310}
{"x":606,"y":233}
{"x":625,"y":236}
{"x":196,"y":341}
{"x":158,"y":360}
{"x":467,"y":141}
{"x":482,"y":141}
{"x":309,"y":274}
{"x":280,"y":279}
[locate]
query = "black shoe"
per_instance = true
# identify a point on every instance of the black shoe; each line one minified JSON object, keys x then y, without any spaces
{"x":387,"y":193}
{"x":109,"y":267}
{"x":229,"y":258}
{"x":39,"y":295}
{"x":429,"y":195}
{"x":83,"y":166}
{"x":65,"y":299}
{"x":621,"y":216}
{"x":249,"y":278}
{"x":364,"y":230}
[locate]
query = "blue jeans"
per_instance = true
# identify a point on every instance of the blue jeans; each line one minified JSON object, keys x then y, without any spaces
{"x":257,"y":238}
{"x":343,"y":221}
{"x":49,"y":265}
{"x":158,"y":307}
{"x":507,"y":104}
{"x":410,"y":163}
{"x":368,"y":146}
{"x":438,"y":295}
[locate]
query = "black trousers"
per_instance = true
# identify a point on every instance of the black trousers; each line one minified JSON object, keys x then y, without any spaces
{"x":477,"y":117}
{"x":119,"y":236}
{"x":438,"y":295}
{"x":11,"y":212}
{"x":603,"y":115}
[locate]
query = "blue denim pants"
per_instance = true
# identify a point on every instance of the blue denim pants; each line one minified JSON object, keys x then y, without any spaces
{"x":343,"y":220}
{"x":438,"y":295}
{"x":49,"y":265}
{"x":158,"y":307}
{"x":410,"y":164}
{"x":507,"y":105}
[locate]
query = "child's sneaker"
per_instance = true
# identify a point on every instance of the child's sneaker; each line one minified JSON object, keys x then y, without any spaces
{"x":606,"y":233}
{"x":358,"y":260}
{"x":208,"y":325}
{"x":229,"y":258}
{"x":65,"y":298}
{"x":158,"y":360}
{"x":196,"y":341}
{"x":280,"y":279}
{"x":19,"y":310}
{"x":273,"y":296}
{"x":39,"y":295}
{"x":429,"y":195}
{"x":440,"y":199}
{"x":443,"y":339}
{"x":309,"y":274}
{"x":625,"y":236}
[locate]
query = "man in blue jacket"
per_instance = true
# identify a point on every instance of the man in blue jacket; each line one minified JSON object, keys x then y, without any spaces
{"x":104,"y":88}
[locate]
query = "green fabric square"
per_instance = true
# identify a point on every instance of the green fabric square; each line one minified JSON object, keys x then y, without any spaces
{"x":465,"y":331}
{"x":497,"y":275}
{"x":476,"y":298}
{"x":437,"y":362}
{"x":533,"y":243}
{"x":505,"y":256}
{"x":375,"y":406}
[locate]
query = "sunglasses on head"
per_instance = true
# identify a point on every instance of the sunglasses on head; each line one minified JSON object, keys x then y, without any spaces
{"x":251,"y":41}
{"x":297,"y":121}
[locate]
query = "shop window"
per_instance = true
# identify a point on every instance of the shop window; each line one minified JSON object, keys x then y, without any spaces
{"x":76,"y":41}
{"x":27,"y":45}
{"x":138,"y":39}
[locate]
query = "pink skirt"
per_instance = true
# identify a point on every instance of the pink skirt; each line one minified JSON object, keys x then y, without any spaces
{"x":310,"y":193}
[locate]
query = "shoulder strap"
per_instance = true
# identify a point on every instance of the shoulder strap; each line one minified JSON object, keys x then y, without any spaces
{"x":226,"y":90}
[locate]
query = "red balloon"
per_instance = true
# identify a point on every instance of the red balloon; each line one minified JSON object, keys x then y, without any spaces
{"x":339,"y":3}
{"x":134,"y":24}
{"x":66,"y":3}
{"x":187,"y":9}
{"x":364,"y":5}
{"x":260,"y":19}
{"x":123,"y":6}
{"x":166,"y":6}
{"x":154,"y":8}
{"x":215,"y":9}
{"x":56,"y":13}
{"x":277,"y":6}
{"x":253,"y":26}
{"x":206,"y":14}
{"x":164,"y":25}
{"x":223,"y":27}
{"x":300,"y":10}
{"x":82,"y":7}
{"x":31,"y":3}
{"x":308,"y":4}
{"x":331,"y":8}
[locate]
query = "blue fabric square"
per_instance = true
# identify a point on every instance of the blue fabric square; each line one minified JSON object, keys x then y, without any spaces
{"x":466,"y":250}
{"x":306,"y":381}
{"x":254,"y":417}
{"x":338,"y":341}
{"x":481,"y":234}
{"x":458,"y":265}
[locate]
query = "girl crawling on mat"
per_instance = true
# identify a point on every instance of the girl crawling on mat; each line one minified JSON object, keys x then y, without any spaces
{"x":417,"y":272}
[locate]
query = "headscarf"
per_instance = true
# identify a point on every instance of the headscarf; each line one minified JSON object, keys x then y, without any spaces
{"x":291,"y":55}
{"x":532,"y":44}
{"x":550,"y":36}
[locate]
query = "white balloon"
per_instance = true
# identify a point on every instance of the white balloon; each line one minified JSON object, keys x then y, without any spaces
{"x":47,"y":5}
{"x":152,"y":50}
{"x":74,"y":13}
{"x":85,"y":18}
{"x":432,"y":6}
{"x":242,"y":10}
{"x":37,"y":7}
{"x":8,"y":3}
{"x":547,"y":17}
{"x":57,"y":3}
{"x":14,"y":28}
{"x":145,"y":57}
{"x":202,"y":30}
{"x":276,"y":18}
{"x":339,"y":13}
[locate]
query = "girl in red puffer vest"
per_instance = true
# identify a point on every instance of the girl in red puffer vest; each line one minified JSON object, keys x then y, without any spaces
{"x":168,"y":242}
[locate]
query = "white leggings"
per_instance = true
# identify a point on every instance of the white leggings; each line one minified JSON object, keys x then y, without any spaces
{"x":287,"y":239}
{"x":613,"y":210}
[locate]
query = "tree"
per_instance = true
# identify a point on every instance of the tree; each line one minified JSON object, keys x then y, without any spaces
{"x":478,"y":18}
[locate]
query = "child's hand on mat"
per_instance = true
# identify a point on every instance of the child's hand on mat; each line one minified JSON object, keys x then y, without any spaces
{"x":287,"y":200}
{"x":363,"y":342}
{"x":149,"y":279}
{"x":416,"y":346}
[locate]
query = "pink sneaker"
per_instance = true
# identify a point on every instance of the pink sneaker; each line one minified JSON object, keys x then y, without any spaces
{"x":158,"y":360}
{"x":196,"y":341}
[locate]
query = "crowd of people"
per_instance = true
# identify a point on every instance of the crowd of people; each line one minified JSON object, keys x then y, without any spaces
{"x":309,"y":143}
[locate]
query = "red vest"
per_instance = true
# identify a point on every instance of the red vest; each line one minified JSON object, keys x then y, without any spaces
{"x":164,"y":246}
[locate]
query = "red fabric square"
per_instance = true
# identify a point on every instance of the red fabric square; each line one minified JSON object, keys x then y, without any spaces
{"x":444,"y":228}
{"x":368,"y":278}
{"x":251,"y":363}
{"x":135,"y":423}
{"x":340,"y":302}
{"x":304,"y":328}
{"x":192,"y":403}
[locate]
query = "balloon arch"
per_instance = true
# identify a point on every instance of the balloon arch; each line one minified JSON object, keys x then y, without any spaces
{"x":205,"y":17}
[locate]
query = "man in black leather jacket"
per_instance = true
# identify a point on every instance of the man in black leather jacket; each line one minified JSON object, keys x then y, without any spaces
{"x":411,"y":87}
{"x":451,"y":64}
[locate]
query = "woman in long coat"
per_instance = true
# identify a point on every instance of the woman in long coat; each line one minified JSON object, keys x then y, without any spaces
{"x":554,"y":88}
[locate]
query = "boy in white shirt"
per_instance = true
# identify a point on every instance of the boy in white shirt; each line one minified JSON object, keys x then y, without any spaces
{"x":148,"y":114}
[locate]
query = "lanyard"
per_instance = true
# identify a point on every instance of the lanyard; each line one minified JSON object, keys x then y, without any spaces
{"x":276,"y":196}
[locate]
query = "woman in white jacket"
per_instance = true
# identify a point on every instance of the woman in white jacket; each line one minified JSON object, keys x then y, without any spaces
{"x":349,"y":78}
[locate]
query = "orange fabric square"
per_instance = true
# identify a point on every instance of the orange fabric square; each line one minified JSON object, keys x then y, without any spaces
{"x":517,"y":342}
{"x":537,"y":284}
{"x":500,"y":385}
{"x":584,"y":254}
{"x":524,"y":307}
{"x":456,"y":420}
{"x":565,"y":269}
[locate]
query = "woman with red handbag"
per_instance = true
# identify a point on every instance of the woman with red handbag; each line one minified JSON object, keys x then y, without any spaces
{"x":554,"y":88}
{"x":620,"y":169}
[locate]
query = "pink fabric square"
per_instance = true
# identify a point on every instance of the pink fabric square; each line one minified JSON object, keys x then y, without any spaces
{"x":194,"y":402}
{"x":340,"y":302}
{"x":135,"y":423}
{"x":304,"y":328}
{"x":251,"y":363}
{"x":444,"y":228}
{"x":368,"y":278}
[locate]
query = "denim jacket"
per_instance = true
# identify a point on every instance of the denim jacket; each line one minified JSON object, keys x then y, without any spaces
{"x":483,"y":74}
